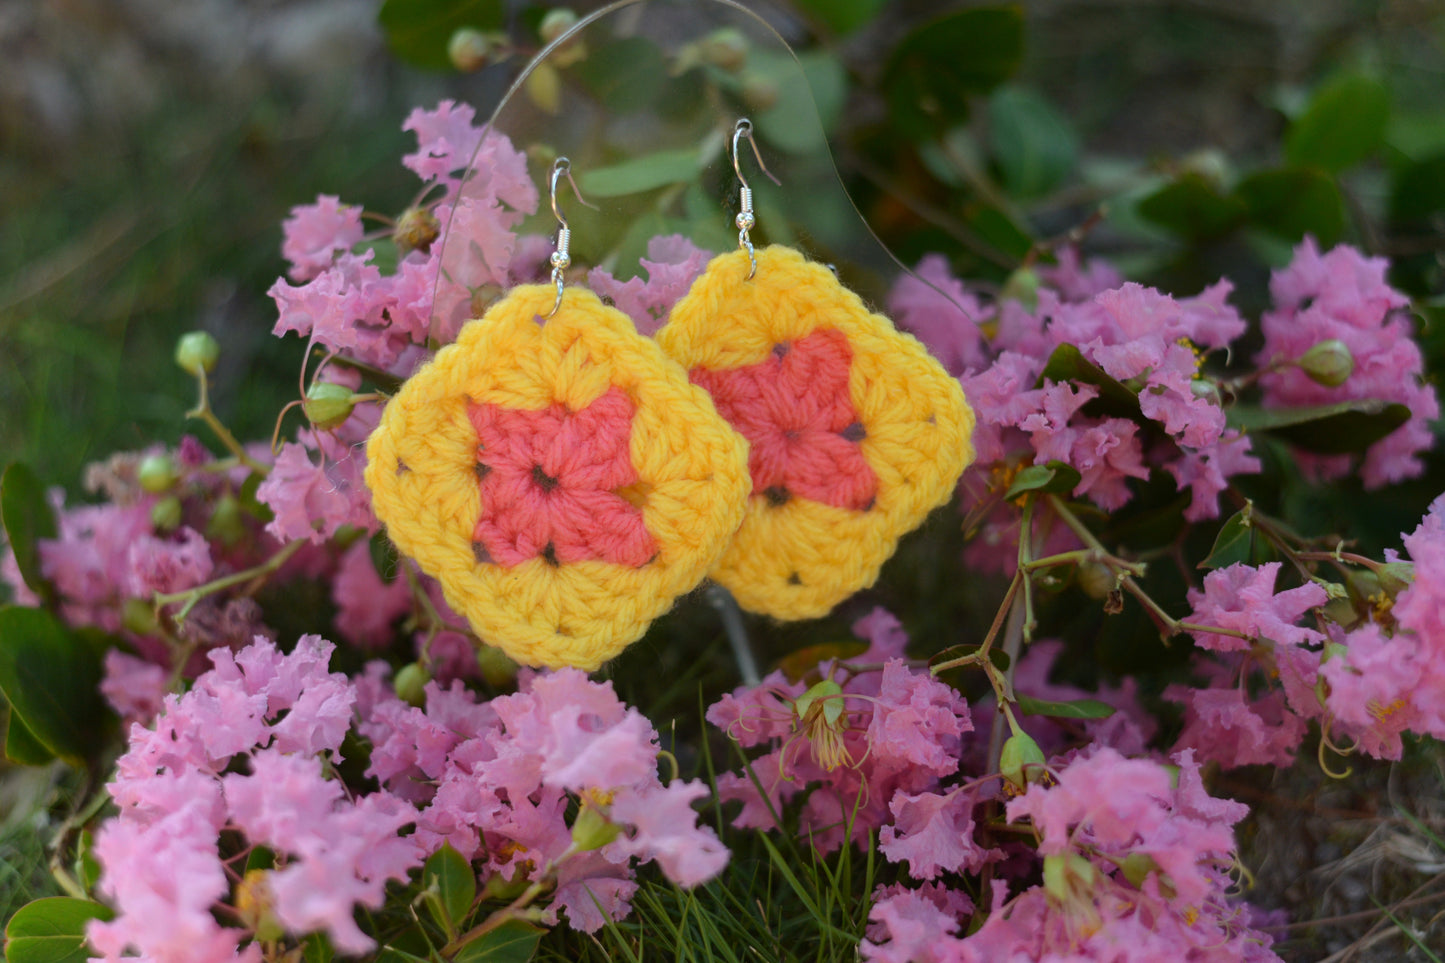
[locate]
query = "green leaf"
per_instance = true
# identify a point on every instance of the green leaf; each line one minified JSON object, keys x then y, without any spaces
{"x":384,"y":557}
{"x":1068,"y":363}
{"x":1346,"y":428}
{"x":841,"y":16}
{"x":800,"y":664}
{"x":1294,"y":201}
{"x":512,"y":942}
{"x":999,"y":229}
{"x":316,"y":948}
{"x":638,"y":174}
{"x":808,"y":105}
{"x":1072,"y":709}
{"x":21,"y":746}
{"x":1033,"y":144}
{"x":456,"y":887}
{"x":51,"y":677}
{"x":939,"y":65}
{"x":1192,"y":207}
{"x":1418,"y":191}
{"x":51,"y":930}
{"x":1343,"y":124}
{"x":418,"y":31}
{"x":626,"y":75}
{"x":1239,"y":541}
{"x":28,"y":518}
{"x":1055,"y":477}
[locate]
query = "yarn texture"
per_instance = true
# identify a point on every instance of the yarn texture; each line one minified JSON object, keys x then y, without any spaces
{"x":563,"y":481}
{"x":855,"y":432}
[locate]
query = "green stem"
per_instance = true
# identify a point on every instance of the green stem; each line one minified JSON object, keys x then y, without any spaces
{"x":981,"y":656}
{"x":1026,"y":553}
{"x":1168,"y":625}
{"x":203,"y":411}
{"x":191,"y":596}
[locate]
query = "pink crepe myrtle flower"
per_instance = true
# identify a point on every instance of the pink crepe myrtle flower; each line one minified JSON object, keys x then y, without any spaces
{"x":494,"y":780}
{"x":672,"y":264}
{"x":366,"y":605}
{"x":935,"y":307}
{"x":315,"y":233}
{"x":242,"y":753}
{"x":1343,"y":296}
{"x":1242,"y":597}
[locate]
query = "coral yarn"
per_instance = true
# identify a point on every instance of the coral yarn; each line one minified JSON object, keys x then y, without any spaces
{"x":563,"y":481}
{"x":861,"y":409}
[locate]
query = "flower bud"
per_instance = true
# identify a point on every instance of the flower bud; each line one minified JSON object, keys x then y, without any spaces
{"x":166,"y":514}
{"x":469,"y":49}
{"x":1021,"y":761}
{"x":416,"y":229}
{"x":410,"y":684}
{"x":138,"y":616}
{"x":759,"y":93}
{"x":497,"y":668}
{"x":1137,"y":867}
{"x":726,"y":49}
{"x":592,"y":829}
{"x":1022,"y":286}
{"x":1328,"y":363}
{"x":557,"y":22}
{"x":197,"y":352}
{"x":157,"y":473}
{"x":1096,"y":579}
{"x":328,"y":405}
{"x":226,"y":524}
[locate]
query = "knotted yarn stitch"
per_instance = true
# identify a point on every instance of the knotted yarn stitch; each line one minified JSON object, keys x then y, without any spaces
{"x":563,"y":481}
{"x":856,"y":433}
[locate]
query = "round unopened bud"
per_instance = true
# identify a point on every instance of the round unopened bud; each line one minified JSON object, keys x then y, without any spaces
{"x":138,"y":616}
{"x":759,"y":92}
{"x":415,"y":230}
{"x":157,"y":473}
{"x":1022,"y":286}
{"x":556,"y":23}
{"x":1137,"y":867}
{"x":469,"y":49}
{"x":1096,"y":579}
{"x":166,"y":514}
{"x":592,"y":829}
{"x":410,"y":684}
{"x":1021,"y":761}
{"x":227,"y":524}
{"x":1328,"y":363}
{"x":497,"y":668}
{"x":726,"y":49}
{"x":1069,"y":876}
{"x":328,"y":405}
{"x":196,"y":352}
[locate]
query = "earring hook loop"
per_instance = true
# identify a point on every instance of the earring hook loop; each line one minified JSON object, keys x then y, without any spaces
{"x":561,"y":258}
{"x":746,"y":218}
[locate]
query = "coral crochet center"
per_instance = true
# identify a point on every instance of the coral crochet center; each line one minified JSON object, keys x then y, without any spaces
{"x":552,"y":484}
{"x":801,"y":426}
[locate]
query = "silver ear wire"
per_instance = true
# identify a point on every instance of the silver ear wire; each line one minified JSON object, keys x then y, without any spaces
{"x":746,"y":218}
{"x":561,"y":258}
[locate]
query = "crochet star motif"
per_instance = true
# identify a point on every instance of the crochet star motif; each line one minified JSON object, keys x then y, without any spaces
{"x":803,"y":432}
{"x":553,"y":485}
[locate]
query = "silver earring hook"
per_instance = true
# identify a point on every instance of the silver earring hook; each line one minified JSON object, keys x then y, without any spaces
{"x":746,"y":219}
{"x":561,"y":258}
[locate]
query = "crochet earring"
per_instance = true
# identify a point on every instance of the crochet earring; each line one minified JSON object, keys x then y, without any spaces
{"x":556,"y":473}
{"x":855,"y":432}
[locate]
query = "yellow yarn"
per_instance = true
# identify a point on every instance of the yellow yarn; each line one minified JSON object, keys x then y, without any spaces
{"x":800,"y":559}
{"x":692,"y":475}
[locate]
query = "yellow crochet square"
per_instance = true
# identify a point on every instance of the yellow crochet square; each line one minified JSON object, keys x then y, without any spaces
{"x":691,"y":482}
{"x":797,"y":557}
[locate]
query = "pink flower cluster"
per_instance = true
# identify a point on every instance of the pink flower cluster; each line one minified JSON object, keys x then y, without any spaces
{"x":866,"y":750}
{"x":1161,"y":410}
{"x":1342,"y":296}
{"x":242,"y":760}
{"x":497,"y":780}
{"x":1135,"y":868}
